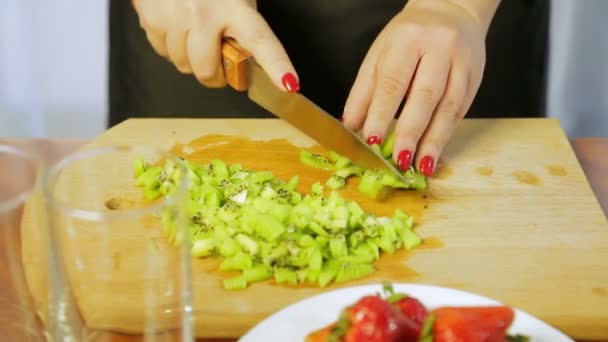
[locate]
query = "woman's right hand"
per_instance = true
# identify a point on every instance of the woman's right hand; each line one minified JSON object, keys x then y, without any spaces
{"x":189,"y":34}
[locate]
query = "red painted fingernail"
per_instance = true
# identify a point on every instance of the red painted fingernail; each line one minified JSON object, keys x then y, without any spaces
{"x":290,"y":82}
{"x":404,"y":160}
{"x":426,"y":166}
{"x":374,"y":139}
{"x":342,"y":120}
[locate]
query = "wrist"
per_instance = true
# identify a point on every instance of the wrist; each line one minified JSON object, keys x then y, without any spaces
{"x":482,"y":10}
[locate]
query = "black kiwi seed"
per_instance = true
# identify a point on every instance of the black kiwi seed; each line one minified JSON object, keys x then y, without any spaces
{"x":197,"y":219}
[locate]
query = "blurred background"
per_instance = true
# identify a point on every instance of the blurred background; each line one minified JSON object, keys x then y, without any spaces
{"x":53,"y":60}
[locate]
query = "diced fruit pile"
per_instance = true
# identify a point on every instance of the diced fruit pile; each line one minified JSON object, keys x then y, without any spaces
{"x":393,"y":317}
{"x":264,"y":229}
{"x":374,"y":183}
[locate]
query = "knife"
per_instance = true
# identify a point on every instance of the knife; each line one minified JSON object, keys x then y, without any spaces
{"x":243,"y":74}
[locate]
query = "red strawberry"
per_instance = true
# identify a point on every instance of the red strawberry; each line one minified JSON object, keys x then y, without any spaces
{"x":372,"y":319}
{"x":413,"y":309}
{"x":480,"y":324}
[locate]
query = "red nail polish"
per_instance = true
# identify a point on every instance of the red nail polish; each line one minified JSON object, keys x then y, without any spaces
{"x":374,"y":139}
{"x":404,"y":160}
{"x":426,"y":166}
{"x":342,"y":120}
{"x":290,"y":82}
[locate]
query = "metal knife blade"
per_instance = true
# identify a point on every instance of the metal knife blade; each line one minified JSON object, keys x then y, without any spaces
{"x":300,"y":112}
{"x":313,"y":121}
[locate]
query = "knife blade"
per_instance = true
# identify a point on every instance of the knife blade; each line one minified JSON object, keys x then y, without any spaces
{"x":243,"y":74}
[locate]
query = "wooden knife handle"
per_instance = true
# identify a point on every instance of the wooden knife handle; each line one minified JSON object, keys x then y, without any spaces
{"x":234,"y":59}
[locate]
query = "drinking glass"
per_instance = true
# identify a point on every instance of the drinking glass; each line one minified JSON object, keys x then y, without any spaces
{"x":20,"y":313}
{"x":117,"y":223}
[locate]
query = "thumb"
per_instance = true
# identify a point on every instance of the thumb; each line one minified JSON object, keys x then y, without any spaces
{"x":255,"y":35}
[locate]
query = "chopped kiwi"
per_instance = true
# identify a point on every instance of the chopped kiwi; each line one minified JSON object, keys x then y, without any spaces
{"x":386,"y":149}
{"x":315,"y":160}
{"x":375,"y":183}
{"x":376,"y":148}
{"x":336,"y":182}
{"x":262,"y":228}
{"x":340,"y":161}
{"x":349,"y":171}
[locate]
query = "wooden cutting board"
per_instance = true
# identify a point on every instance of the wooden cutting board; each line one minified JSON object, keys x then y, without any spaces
{"x":509,"y":215}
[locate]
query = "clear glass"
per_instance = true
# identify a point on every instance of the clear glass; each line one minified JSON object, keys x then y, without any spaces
{"x":21,"y":315}
{"x":118,"y":272}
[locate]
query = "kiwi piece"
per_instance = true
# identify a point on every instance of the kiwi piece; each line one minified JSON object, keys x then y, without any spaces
{"x":386,"y":149}
{"x":336,"y":182}
{"x":315,"y":160}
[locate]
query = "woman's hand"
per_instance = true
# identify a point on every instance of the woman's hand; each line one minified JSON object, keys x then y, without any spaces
{"x":433,"y":53}
{"x":189,"y":34}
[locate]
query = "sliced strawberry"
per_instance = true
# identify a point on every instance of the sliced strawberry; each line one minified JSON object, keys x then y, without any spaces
{"x":480,"y":324}
{"x":413,"y":309}
{"x":372,"y":319}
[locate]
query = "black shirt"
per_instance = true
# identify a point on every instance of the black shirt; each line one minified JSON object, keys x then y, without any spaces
{"x":326,"y":41}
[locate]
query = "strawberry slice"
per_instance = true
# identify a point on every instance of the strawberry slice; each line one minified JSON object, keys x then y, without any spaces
{"x":413,"y":309}
{"x":480,"y":324}
{"x":410,"y":306}
{"x":372,"y":319}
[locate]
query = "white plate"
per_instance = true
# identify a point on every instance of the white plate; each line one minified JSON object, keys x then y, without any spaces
{"x":297,"y":320}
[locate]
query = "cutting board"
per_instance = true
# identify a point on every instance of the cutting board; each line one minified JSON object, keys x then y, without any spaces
{"x":509,"y":215}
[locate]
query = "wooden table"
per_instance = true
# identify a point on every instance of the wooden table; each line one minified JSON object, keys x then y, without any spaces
{"x":591,"y":153}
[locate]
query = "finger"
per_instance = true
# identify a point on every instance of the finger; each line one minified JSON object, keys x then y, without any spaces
{"x":157,"y":40}
{"x":449,"y":112}
{"x":204,"y":56}
{"x":177,"y":49}
{"x":474,"y":82}
{"x":424,"y":93}
{"x":392,"y":80}
{"x":152,"y":16}
{"x":254,"y":35}
{"x":177,"y":37}
{"x":360,"y":96}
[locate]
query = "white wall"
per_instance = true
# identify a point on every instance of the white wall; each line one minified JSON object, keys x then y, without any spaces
{"x":578,"y":84}
{"x":53,"y":56}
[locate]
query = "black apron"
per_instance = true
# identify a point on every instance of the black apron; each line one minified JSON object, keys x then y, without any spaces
{"x":326,"y":41}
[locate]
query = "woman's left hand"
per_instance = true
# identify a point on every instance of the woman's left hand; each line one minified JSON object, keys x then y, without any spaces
{"x":433,"y":52}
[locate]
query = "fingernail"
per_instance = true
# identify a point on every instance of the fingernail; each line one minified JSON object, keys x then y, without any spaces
{"x":290,"y":82}
{"x":342,"y":120}
{"x":374,"y":139}
{"x":426,"y":166}
{"x":404,"y":160}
